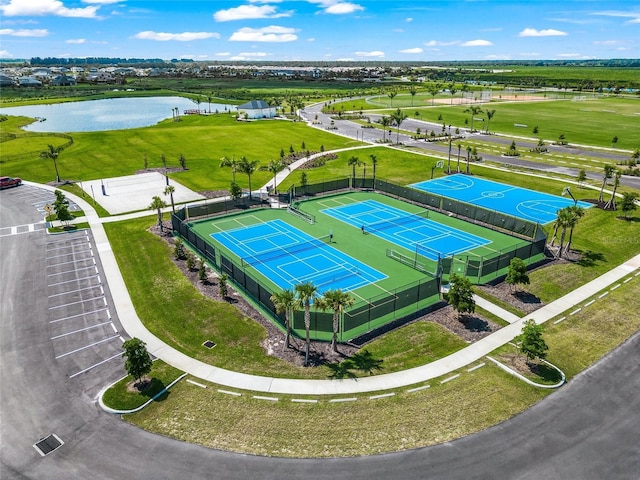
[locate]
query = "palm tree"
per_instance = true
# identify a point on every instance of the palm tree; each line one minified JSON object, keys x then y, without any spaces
{"x":338,"y":301}
{"x":285,"y":301}
{"x":385,"y":121}
{"x":490,"y":114}
{"x":275,"y":167}
{"x":469,"y":149}
{"x":576,"y":214}
{"x":248,"y":167}
{"x":616,"y":183}
{"x":452,"y":91}
{"x":434,"y":90}
{"x":233,"y":163}
{"x":169,"y":190}
{"x":52,"y":154}
{"x":353,"y":162}
{"x":563,"y":221}
{"x":209,"y":102}
{"x":392,"y":94}
{"x":458,"y":165}
{"x":475,"y":110}
{"x":374,"y":162}
{"x":306,"y":292}
{"x":412,"y":91}
{"x":398,"y":117}
{"x":606,"y":175}
{"x":158,"y":204}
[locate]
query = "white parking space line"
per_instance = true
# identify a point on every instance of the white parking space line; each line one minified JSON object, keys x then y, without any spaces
{"x":73,"y":261}
{"x":115,"y":330}
{"x":78,"y":290}
{"x":81,"y":330}
{"x":67,"y":247}
{"x":71,"y":271}
{"x":104,"y":340}
{"x":78,"y":315}
{"x":94,"y":366}
{"x":79,"y":302}
{"x":75,"y":280}
{"x":67,"y":254}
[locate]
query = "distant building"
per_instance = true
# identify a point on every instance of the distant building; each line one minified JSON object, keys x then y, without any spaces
{"x":6,"y":81}
{"x":29,"y":82}
{"x":256,"y":109}
{"x":63,"y":81}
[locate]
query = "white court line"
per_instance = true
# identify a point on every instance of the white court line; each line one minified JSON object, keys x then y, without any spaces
{"x":74,"y":280}
{"x":78,"y":315}
{"x":87,"y":346}
{"x":81,"y":330}
{"x":94,"y":366}
{"x":76,"y":303}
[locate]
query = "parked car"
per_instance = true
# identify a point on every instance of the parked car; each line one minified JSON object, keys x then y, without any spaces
{"x":6,"y":182}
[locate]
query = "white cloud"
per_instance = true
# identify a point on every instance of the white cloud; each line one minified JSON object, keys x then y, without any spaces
{"x":345,"y":59}
{"x":477,"y":43}
{"x":550,"y":32}
{"x":244,"y":12}
{"x":180,"y":37}
{"x":374,"y":54}
{"x":5,"y":54}
{"x":408,"y":19}
{"x":250,"y":56}
{"x":569,"y":55}
{"x":436,"y":43}
{"x":271,"y":33}
{"x":606,"y":42}
{"x":77,"y":41}
{"x":28,"y":8}
{"x":311,"y":39}
{"x":222,"y":54}
{"x":102,"y":2}
{"x":411,"y":50}
{"x":337,"y":7}
{"x":634,"y":16}
{"x":24,"y":32}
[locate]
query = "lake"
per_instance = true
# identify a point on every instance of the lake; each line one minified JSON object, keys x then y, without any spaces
{"x":107,"y":114}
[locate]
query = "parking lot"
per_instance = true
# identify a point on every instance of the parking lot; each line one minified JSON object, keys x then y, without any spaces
{"x":85,"y":337}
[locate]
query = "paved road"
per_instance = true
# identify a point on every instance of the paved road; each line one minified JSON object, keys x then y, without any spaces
{"x":587,"y":430}
{"x":352,"y":130}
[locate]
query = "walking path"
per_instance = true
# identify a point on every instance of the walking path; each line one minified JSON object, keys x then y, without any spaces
{"x":474,"y":352}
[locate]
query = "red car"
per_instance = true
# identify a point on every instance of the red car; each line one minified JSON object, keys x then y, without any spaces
{"x":6,"y":182}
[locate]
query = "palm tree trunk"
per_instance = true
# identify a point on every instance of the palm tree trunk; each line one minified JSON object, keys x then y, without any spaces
{"x":307,"y":326}
{"x":564,"y":231}
{"x":287,"y":337}
{"x":334,"y":340}
{"x":568,"y":247}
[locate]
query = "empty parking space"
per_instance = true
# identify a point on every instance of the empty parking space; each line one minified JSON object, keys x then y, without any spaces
{"x":83,"y":332}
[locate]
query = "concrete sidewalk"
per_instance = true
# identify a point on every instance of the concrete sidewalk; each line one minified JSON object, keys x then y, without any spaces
{"x":134,"y":327}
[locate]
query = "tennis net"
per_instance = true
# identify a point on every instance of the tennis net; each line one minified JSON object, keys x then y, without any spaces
{"x":274,"y":253}
{"x":397,"y":221}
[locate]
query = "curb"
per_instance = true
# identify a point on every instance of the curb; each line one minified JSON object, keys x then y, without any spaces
{"x":144,"y":405}
{"x":525,"y":379}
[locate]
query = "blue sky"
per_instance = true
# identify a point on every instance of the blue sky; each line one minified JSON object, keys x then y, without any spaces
{"x":332,"y":30}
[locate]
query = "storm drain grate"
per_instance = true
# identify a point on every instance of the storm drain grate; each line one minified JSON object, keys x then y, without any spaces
{"x":209,"y":344}
{"x":48,"y":444}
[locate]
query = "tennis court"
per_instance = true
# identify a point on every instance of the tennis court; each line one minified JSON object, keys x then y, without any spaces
{"x":415,"y":232}
{"x":288,"y":256}
{"x":516,"y":201}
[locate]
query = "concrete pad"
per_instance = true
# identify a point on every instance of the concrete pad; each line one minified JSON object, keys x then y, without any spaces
{"x":135,"y":192}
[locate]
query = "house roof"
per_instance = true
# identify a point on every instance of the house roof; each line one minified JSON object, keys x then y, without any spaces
{"x":254,"y":105}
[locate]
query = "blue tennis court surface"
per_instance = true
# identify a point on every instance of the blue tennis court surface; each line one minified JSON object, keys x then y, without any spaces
{"x":518,"y":202}
{"x":411,"y":231}
{"x":288,"y":256}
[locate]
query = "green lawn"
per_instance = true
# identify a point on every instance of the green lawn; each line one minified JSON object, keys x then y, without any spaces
{"x":203,"y":140}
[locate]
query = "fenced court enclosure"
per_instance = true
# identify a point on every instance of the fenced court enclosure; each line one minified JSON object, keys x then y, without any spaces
{"x":519,"y":202}
{"x":391,"y":251}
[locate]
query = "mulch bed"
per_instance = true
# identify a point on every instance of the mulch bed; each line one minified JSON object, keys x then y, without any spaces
{"x":470,"y":328}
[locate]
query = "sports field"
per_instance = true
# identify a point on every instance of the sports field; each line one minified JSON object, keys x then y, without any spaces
{"x":390,"y":268}
{"x":518,"y":202}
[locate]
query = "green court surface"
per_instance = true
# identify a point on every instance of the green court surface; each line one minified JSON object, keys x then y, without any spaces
{"x":405,"y":288}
